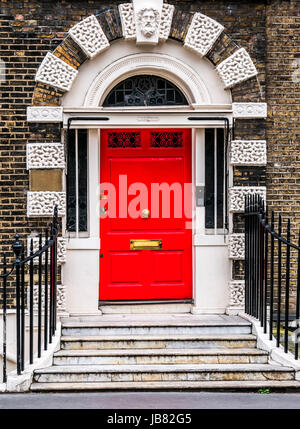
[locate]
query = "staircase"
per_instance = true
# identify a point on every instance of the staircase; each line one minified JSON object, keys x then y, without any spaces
{"x":160,"y":352}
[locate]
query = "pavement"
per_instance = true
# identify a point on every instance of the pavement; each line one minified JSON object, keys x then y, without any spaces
{"x":150,"y":400}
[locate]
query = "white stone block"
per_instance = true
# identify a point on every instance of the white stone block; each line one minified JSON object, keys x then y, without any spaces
{"x":42,"y":203}
{"x":166,"y":21}
{"x":55,"y":72}
{"x":61,"y":248}
{"x":237,"y":293}
{"x":248,"y":152}
{"x":44,"y":114}
{"x":60,"y":297}
{"x":236,"y":246}
{"x":202,"y":34}
{"x":236,"y":68}
{"x":45,"y":155}
{"x":89,"y":35}
{"x":127,"y":21}
{"x":249,"y":110}
{"x":237,"y":196}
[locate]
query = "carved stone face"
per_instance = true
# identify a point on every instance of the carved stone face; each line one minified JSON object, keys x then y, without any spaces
{"x":148,"y":19}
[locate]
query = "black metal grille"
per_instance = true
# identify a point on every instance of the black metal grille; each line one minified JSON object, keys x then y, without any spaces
{"x":166,"y":139}
{"x":123,"y":140}
{"x":145,"y":90}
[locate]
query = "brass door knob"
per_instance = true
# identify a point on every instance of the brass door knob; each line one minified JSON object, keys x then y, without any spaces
{"x":145,"y":213}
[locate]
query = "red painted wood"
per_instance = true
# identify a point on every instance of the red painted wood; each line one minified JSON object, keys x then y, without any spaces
{"x":145,"y":274}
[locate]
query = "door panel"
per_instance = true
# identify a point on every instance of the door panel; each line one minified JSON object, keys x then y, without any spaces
{"x":148,"y":169}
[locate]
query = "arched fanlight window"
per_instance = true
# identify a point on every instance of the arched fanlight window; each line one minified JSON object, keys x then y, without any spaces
{"x":145,"y":90}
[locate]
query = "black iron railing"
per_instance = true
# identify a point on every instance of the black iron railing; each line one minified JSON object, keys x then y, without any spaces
{"x":268,"y":268}
{"x":38,"y":269}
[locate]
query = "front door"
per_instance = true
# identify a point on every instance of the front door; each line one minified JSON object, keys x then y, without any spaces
{"x":145,"y":220}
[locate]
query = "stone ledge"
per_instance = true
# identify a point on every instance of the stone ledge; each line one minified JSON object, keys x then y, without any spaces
{"x":44,"y":114}
{"x":249,"y":110}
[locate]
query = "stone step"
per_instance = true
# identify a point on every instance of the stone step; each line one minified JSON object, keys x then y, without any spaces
{"x":171,"y":341}
{"x":159,"y":356}
{"x":162,"y":373}
{"x":169,"y":385}
{"x":155,"y":327}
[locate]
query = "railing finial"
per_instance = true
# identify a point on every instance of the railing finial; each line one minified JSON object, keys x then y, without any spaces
{"x":18,"y":247}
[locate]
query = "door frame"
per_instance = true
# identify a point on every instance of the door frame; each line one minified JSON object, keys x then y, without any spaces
{"x":188,"y":168}
{"x":85,"y":300}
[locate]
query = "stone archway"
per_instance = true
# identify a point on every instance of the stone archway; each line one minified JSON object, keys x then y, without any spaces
{"x":90,"y":37}
{"x":198,"y":33}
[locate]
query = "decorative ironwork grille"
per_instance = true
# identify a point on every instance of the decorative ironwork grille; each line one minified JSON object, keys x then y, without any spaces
{"x":165,"y":139}
{"x":145,"y":90}
{"x":124,"y":140}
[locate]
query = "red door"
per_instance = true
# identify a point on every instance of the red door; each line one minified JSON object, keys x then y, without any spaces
{"x":145,"y":226}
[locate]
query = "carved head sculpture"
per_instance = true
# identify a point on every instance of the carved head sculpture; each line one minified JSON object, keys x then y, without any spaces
{"x":148,"y":19}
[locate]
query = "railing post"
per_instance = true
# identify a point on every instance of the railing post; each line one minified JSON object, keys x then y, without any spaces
{"x":246,"y":254}
{"x":46,"y":294}
{"x":298,"y":299}
{"x":55,"y":224}
{"x":266,"y":275}
{"x":279,"y":285}
{"x":31,"y":268}
{"x":18,"y":247}
{"x":287,"y":289}
{"x":40,"y":300}
{"x":51,"y":285}
{"x":22,"y":312}
{"x":4,"y":320}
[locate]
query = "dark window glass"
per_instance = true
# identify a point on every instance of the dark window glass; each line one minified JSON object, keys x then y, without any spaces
{"x":213,"y":158}
{"x":145,"y":90}
{"x":82,"y":181}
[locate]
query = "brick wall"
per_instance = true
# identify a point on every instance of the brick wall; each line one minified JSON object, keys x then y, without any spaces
{"x":283,"y":95}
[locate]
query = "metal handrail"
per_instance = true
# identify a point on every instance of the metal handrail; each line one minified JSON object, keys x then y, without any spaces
{"x":46,"y":269}
{"x":261,"y":262}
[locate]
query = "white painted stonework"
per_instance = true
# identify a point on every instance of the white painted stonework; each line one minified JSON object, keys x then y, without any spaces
{"x":61,"y":248}
{"x":55,"y":72}
{"x":249,"y":110}
{"x":162,"y":65}
{"x":45,"y":155}
{"x":166,"y":21}
{"x":248,"y":152}
{"x":44,"y":114}
{"x":237,"y":293}
{"x":127,"y":21}
{"x":236,"y":68}
{"x":89,"y":35}
{"x":202,"y":34}
{"x":60,"y":297}
{"x":147,"y":16}
{"x":236,"y":247}
{"x":237,"y":196}
{"x":42,"y":203}
{"x":130,"y":25}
